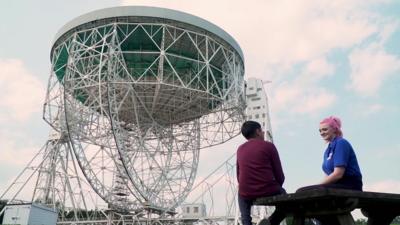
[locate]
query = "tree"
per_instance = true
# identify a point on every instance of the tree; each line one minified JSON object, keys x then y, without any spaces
{"x":396,"y":221}
{"x":3,"y":204}
{"x":361,"y":222}
{"x":289,"y":221}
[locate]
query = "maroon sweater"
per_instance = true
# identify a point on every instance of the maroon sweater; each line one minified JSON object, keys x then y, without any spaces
{"x":259,"y":169}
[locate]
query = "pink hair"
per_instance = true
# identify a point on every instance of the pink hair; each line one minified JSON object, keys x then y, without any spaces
{"x":335,"y":123}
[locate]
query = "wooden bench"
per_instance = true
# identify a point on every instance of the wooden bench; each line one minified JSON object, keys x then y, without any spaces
{"x":334,"y":206}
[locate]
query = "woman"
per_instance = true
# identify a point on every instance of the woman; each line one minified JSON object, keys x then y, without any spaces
{"x":340,"y":162}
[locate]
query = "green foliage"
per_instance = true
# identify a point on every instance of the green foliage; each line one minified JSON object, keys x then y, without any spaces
{"x":361,"y":222}
{"x":396,"y":221}
{"x":3,"y":203}
{"x":82,"y":214}
{"x":289,"y":221}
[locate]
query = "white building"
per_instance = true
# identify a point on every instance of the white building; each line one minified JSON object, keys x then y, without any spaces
{"x":29,"y":214}
{"x":197,"y":210}
{"x":257,"y":105}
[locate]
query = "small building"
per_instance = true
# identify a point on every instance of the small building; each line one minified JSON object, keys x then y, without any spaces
{"x":29,"y":214}
{"x":193,"y":210}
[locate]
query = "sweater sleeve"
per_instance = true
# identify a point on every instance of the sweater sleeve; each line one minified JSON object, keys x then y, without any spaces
{"x":277,"y":166}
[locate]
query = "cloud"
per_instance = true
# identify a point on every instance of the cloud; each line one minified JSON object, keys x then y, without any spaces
{"x":303,"y":94}
{"x":14,"y":157}
{"x":315,"y":101}
{"x":12,"y":153}
{"x":21,"y":96}
{"x":387,"y":31}
{"x":318,"y":69}
{"x":370,"y":68}
{"x":389,"y":186}
{"x":282,"y":32}
{"x":21,"y":92}
{"x":372,"y":109}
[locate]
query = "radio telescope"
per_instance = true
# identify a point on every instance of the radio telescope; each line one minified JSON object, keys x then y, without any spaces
{"x":140,"y":90}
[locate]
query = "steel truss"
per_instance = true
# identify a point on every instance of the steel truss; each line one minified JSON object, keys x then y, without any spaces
{"x":57,"y":182}
{"x":59,"y":185}
{"x":140,"y":101}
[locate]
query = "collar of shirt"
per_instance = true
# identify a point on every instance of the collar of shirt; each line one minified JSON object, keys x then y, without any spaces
{"x":331,"y":147}
{"x":332,"y":144}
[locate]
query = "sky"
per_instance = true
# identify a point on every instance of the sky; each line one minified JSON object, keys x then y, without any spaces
{"x":321,"y":57}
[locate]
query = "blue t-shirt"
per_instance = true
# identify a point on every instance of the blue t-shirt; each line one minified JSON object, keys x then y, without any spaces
{"x":340,"y":154}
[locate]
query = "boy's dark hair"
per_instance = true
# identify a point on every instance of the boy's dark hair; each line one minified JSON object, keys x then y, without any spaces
{"x":249,"y":129}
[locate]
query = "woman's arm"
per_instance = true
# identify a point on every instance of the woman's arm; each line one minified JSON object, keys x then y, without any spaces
{"x":335,"y":176}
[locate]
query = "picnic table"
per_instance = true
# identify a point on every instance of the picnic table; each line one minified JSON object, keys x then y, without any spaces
{"x":334,"y":206}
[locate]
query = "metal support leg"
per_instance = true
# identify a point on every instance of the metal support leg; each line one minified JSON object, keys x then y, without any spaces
{"x":298,"y":220}
{"x":382,"y":219}
{"x":345,"y":219}
{"x":379,"y":217}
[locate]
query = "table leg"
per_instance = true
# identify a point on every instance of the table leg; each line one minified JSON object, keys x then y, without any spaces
{"x":379,"y":217}
{"x":346,"y":219}
{"x":328,"y":220}
{"x":298,"y":220}
{"x":340,"y":219}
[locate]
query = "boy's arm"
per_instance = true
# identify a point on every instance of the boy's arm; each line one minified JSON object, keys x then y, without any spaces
{"x":277,"y":166}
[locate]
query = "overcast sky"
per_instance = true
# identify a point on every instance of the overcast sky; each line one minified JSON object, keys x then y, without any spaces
{"x":322,"y":57}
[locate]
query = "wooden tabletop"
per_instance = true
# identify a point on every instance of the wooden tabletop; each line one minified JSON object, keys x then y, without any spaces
{"x":325,"y":197}
{"x":336,"y":205}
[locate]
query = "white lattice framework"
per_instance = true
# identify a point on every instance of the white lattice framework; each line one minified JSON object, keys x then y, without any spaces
{"x":52,"y":178}
{"x":140,"y":96}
